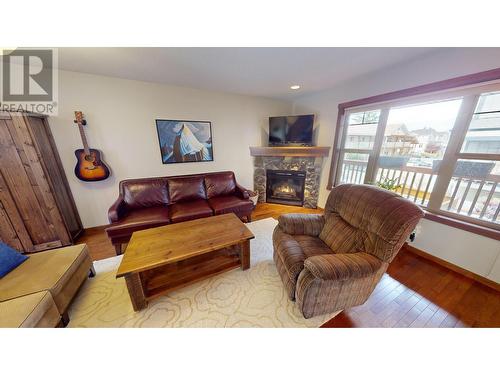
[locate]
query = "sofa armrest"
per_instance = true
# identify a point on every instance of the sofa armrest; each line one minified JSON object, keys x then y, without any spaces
{"x":242,"y":192}
{"x":302,"y":224}
{"x":117,"y":210}
{"x":342,"y":267}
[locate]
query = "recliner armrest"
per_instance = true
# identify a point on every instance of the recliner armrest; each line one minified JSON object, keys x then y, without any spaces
{"x":302,"y":224}
{"x":342,"y":267}
{"x":117,"y":210}
{"x":242,"y":192}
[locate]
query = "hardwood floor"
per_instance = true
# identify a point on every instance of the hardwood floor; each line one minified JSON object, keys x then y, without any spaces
{"x":265,"y":210}
{"x":415,"y":292}
{"x":99,"y":245}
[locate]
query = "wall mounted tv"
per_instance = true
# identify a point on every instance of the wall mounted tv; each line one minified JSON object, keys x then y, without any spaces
{"x":291,"y":130}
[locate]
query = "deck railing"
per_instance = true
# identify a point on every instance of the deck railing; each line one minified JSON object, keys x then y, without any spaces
{"x":470,"y":196}
{"x":353,"y":172}
{"x":475,"y":197}
{"x":414,"y":183}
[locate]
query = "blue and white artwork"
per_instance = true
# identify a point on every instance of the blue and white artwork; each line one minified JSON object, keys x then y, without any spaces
{"x":185,"y":141}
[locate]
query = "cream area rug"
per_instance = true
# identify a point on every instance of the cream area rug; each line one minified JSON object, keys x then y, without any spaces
{"x":252,"y":298}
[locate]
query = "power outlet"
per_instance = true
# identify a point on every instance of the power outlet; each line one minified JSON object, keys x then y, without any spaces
{"x":412,"y":236}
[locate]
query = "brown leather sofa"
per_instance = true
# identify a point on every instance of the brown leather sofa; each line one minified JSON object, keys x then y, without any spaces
{"x":151,"y":202}
{"x":334,"y":261}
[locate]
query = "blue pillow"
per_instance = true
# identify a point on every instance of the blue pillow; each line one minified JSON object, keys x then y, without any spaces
{"x":9,"y":259}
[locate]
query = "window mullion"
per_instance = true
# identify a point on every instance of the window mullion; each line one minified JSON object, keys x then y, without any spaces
{"x":341,"y":146}
{"x":452,"y":152}
{"x":371,"y":167}
{"x":338,"y":172}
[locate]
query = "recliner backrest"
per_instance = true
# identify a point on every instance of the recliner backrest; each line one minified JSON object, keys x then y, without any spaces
{"x":370,"y":219}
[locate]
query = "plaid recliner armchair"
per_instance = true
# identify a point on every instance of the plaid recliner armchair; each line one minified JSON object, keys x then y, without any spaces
{"x":334,"y":261}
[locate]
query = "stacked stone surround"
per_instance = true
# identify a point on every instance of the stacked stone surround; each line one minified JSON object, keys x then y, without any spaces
{"x":310,"y":165}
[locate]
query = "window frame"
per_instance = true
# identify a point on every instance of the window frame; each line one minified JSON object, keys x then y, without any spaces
{"x":469,"y":88}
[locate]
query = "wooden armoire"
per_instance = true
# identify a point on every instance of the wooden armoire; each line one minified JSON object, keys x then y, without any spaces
{"x":37,"y":211}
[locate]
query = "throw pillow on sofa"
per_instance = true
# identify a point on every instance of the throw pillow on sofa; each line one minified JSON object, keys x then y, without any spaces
{"x":9,"y":259}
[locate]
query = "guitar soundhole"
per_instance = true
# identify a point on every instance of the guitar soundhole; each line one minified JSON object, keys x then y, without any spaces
{"x":89,"y":158}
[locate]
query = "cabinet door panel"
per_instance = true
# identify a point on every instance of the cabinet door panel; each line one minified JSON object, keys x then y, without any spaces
{"x":8,"y":234}
{"x":42,"y":137}
{"x":12,"y":219}
{"x":23,"y":137}
{"x":15,"y":168}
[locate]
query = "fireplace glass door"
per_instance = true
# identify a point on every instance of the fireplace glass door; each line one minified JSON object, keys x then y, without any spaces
{"x":285,"y":187}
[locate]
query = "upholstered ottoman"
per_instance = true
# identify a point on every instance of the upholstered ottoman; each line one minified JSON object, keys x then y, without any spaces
{"x":60,"y":272}
{"x":37,"y":310}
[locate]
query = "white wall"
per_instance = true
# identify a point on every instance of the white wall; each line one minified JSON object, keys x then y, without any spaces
{"x":121,"y":123}
{"x":475,"y":253}
{"x":472,"y":252}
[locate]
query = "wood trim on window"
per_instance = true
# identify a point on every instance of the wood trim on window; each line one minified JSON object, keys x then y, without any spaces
{"x":457,"y":82}
{"x":429,"y":88}
{"x":490,"y":230}
{"x":336,"y":148}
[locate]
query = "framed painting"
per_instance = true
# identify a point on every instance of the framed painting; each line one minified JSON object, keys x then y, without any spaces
{"x":184,"y":141}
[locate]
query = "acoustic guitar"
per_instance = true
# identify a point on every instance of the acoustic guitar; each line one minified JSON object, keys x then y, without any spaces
{"x":90,"y":166}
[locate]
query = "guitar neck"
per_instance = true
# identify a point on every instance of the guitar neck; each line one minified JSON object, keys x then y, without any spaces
{"x":86,"y":147}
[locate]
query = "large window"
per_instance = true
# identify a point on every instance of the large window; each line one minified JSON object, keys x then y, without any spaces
{"x":442,"y":151}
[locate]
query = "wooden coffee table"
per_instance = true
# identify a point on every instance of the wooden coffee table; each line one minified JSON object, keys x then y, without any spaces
{"x":161,"y":259}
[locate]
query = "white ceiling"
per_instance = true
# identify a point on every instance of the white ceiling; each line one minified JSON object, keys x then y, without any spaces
{"x":267,"y":72}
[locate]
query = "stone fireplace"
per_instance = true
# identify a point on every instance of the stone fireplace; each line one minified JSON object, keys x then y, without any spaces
{"x":288,"y":175}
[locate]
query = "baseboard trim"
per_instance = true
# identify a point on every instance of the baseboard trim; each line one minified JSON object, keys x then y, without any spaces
{"x":98,"y":228}
{"x":462,"y":271}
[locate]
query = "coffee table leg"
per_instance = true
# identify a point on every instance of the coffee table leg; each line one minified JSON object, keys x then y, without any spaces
{"x":245,"y":255}
{"x":135,"y":291}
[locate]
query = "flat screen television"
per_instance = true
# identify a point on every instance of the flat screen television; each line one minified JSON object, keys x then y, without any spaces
{"x":289,"y":130}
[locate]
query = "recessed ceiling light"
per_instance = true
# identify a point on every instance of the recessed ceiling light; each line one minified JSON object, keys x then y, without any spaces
{"x":295,"y":87}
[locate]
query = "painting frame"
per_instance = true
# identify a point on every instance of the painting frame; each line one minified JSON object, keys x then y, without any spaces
{"x":167,"y":147}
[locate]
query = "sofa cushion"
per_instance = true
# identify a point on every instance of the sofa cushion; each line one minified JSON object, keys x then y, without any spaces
{"x":145,"y":193}
{"x":50,"y":270}
{"x":220,"y":184}
{"x":184,"y":211}
{"x":183,"y":189}
{"x":140,"y":219}
{"x":229,"y":203}
{"x":9,"y":259}
{"x":33,"y":310}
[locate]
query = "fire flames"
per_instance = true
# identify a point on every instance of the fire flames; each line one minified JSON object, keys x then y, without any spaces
{"x":287,"y":189}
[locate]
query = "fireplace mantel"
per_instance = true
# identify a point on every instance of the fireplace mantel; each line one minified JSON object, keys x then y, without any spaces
{"x":291,"y":151}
